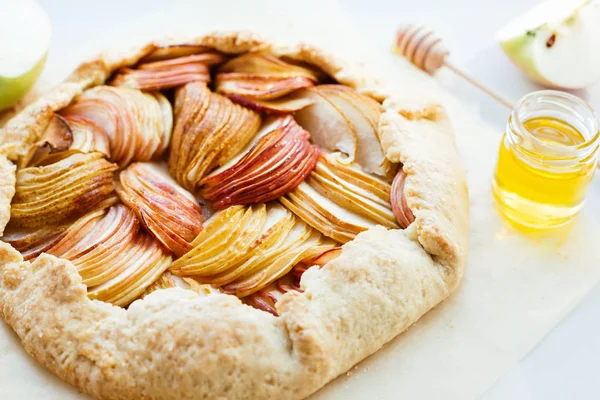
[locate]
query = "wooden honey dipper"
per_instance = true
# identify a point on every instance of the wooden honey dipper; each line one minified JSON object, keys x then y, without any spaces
{"x":426,"y":51}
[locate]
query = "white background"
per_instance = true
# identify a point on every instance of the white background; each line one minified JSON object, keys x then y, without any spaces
{"x":563,"y":366}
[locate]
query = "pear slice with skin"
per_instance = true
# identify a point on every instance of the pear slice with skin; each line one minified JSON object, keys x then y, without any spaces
{"x":369,"y":154}
{"x":212,"y":238}
{"x":305,"y":243}
{"x":352,"y":199}
{"x":287,"y":104}
{"x":325,"y":215}
{"x":248,"y":225}
{"x":328,"y":126}
{"x":355,"y":175}
{"x":276,"y":229}
{"x":298,"y":233}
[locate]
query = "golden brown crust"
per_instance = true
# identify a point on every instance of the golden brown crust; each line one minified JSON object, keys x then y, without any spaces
{"x":174,"y":344}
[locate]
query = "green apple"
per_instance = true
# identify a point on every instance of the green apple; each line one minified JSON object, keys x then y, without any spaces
{"x":25,"y":33}
{"x":556,"y":44}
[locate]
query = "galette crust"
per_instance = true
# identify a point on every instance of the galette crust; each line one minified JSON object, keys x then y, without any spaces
{"x":174,"y":344}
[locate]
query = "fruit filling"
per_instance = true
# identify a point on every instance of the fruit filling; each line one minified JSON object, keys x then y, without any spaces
{"x":207,"y":172}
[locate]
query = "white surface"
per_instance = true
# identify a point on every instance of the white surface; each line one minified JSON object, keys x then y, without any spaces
{"x":532,"y":272}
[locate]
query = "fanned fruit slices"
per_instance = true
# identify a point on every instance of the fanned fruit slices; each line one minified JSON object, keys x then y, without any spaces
{"x":243,"y":249}
{"x":169,"y":73}
{"x":266,"y":83}
{"x":137,"y":124}
{"x":69,"y":186}
{"x":115,"y":259}
{"x":278,"y":159}
{"x":168,"y":211}
{"x":285,"y":164}
{"x":341,"y":200}
{"x":209,"y":131}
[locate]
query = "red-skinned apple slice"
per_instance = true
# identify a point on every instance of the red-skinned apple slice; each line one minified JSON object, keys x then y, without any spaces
{"x":260,"y":76}
{"x":261,"y":87}
{"x":266,"y":64}
{"x":364,"y":117}
{"x":169,"y":212}
{"x":276,"y":164}
{"x":137,"y":124}
{"x":283,"y":105}
{"x":87,"y":136}
{"x":400,"y":207}
{"x":159,"y":75}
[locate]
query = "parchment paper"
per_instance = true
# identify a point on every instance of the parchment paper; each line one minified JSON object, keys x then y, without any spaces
{"x":516,"y":287}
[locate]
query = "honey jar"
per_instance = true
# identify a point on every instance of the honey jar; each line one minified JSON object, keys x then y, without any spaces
{"x":547,"y":159}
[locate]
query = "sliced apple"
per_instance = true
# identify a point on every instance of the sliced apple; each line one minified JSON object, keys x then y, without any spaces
{"x":283,"y":105}
{"x":166,"y":74}
{"x":352,"y":197}
{"x":171,"y":51}
{"x":354,"y":174}
{"x":57,"y":192}
{"x":144,"y":262}
{"x":325,"y":215}
{"x":137,"y":124}
{"x":258,"y":86}
{"x":87,"y":136}
{"x":327,"y":125}
{"x":261,"y":76}
{"x":276,"y":163}
{"x":555,"y":44}
{"x":167,"y":210}
{"x":341,"y":119}
{"x":400,"y":207}
{"x":209,"y":131}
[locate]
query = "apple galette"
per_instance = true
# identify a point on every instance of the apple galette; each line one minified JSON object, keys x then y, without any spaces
{"x":223,"y":218}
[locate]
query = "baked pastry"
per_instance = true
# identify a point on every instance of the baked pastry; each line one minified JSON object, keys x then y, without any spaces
{"x":260,"y":217}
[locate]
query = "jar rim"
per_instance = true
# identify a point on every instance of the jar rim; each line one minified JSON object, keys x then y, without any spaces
{"x":564,"y":98}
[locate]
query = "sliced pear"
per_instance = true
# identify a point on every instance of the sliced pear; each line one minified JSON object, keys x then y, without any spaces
{"x":266,"y":64}
{"x":327,"y":125}
{"x":555,"y":44}
{"x":283,"y":105}
{"x":352,"y":197}
{"x":261,"y":87}
{"x":209,"y":131}
{"x":398,"y":199}
{"x":63,"y":190}
{"x":325,"y":215}
{"x":279,"y":222}
{"x":57,"y":137}
{"x":166,"y":74}
{"x":167,"y":280}
{"x":354,"y":174}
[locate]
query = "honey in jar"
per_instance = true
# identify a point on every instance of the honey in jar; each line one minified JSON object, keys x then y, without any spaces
{"x":547,"y":159}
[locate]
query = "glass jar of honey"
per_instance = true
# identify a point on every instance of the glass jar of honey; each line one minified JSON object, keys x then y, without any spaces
{"x":547,"y":159}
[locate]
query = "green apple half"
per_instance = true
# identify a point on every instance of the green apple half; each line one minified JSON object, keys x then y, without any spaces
{"x":25,"y":33}
{"x":556,"y":44}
